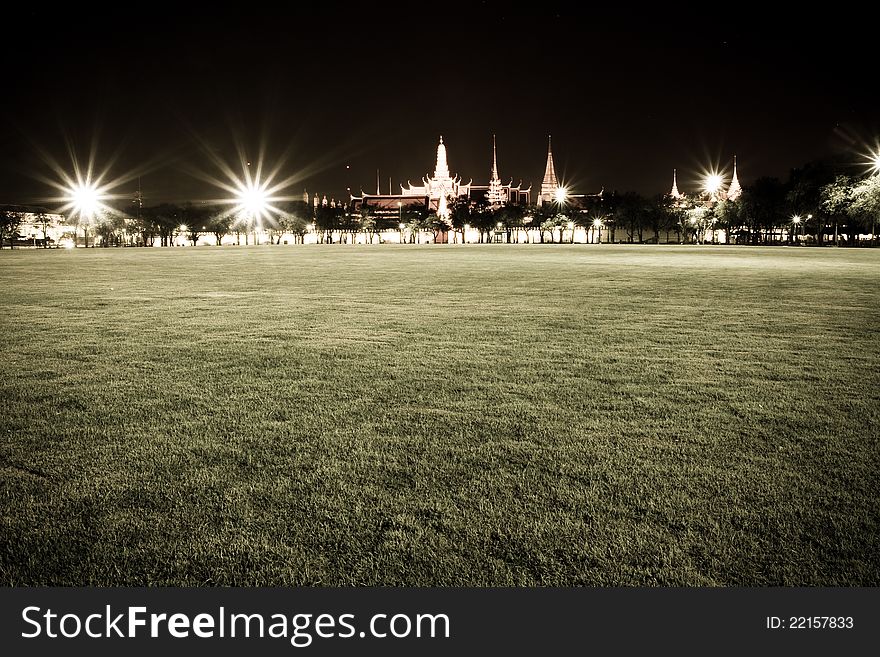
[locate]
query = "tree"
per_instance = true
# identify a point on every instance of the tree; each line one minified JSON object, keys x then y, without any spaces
{"x":145,"y":224}
{"x":512,"y":217}
{"x":167,"y":219}
{"x":836,"y":199}
{"x":43,"y":220}
{"x":415,"y":218}
{"x":460,"y":216}
{"x":10,"y":221}
{"x":326,"y":221}
{"x":367,"y":221}
{"x":865,"y":203}
{"x":728,"y":216}
{"x":198,"y":217}
{"x":669,"y":215}
{"x":763,"y":205}
{"x":220,"y":225}
{"x":295,"y":219}
{"x":109,"y":228}
{"x":632,"y":214}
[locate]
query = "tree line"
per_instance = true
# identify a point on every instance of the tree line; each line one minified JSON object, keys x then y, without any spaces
{"x":818,"y":203}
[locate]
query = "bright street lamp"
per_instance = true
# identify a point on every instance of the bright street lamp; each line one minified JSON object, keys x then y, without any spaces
{"x":597,"y":224}
{"x":84,"y":199}
{"x":713,"y":184}
{"x":561,"y":193}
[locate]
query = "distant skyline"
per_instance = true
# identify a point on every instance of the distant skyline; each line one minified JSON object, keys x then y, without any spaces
{"x":345,"y":91}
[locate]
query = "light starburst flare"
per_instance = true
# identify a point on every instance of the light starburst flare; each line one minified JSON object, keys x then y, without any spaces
{"x":254,"y":201}
{"x":254,"y":198}
{"x":83,"y":199}
{"x":713,"y":183}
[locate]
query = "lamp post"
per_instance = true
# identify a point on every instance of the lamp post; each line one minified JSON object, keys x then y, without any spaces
{"x":597,"y":224}
{"x":712,"y":185}
{"x":795,"y":222}
{"x":401,"y":226}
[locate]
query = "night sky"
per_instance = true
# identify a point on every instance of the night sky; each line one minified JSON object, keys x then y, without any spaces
{"x":627,"y":95}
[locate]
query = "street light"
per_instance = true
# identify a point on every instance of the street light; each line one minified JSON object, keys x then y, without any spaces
{"x":597,"y":224}
{"x":713,"y":184}
{"x":401,"y":226}
{"x":85,"y":200}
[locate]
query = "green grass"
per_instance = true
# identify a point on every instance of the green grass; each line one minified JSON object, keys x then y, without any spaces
{"x":484,"y":415}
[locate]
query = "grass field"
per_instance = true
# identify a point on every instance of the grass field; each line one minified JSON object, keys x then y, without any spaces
{"x":483,"y":415}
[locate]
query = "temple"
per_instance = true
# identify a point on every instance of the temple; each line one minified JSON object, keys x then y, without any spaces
{"x":675,"y":193}
{"x":734,"y":191}
{"x":441,"y":184}
{"x":439,"y":191}
{"x":550,"y":184}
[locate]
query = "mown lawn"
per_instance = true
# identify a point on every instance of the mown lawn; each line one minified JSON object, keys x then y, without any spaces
{"x":440,"y":415}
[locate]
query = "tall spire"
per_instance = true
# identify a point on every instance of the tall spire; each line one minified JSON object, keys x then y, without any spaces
{"x":735,"y":190}
{"x":550,"y":184}
{"x":495,"y":195}
{"x":675,"y":193}
{"x":378,"y":191}
{"x":441,"y":171}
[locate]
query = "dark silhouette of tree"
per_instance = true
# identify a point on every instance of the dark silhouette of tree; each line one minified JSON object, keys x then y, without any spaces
{"x":836,"y":200}
{"x":866,"y":203}
{"x":43,"y":220}
{"x":10,"y":221}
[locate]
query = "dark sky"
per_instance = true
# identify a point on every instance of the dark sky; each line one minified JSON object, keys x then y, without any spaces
{"x":627,"y":94}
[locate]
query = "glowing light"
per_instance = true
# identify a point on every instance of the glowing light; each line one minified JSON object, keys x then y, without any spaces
{"x":83,"y":199}
{"x":561,"y":193}
{"x":597,"y":223}
{"x":796,"y":219}
{"x":876,"y":163}
{"x":713,"y":183}
{"x":252,"y":199}
{"x":252,"y":191}
{"x":182,"y":228}
{"x":402,"y":226}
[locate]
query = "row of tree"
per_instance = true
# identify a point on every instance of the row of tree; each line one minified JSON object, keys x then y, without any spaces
{"x":818,"y":201}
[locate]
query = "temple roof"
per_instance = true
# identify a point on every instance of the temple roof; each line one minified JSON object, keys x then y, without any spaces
{"x":550,"y":182}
